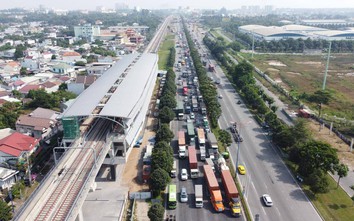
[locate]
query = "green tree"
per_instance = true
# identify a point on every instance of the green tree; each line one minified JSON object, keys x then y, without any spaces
{"x":156,"y":212}
{"x":320,"y":97}
{"x":159,"y":179}
{"x":40,"y":98}
{"x":163,"y":145}
{"x":342,"y":171}
{"x":80,"y":63}
{"x":54,"y":57}
{"x":318,"y":182}
{"x":20,"y":49}
{"x":9,"y":112}
{"x":161,"y":159}
{"x":16,"y":94}
{"x":23,"y":71}
{"x":316,"y":155}
{"x":225,"y":137}
{"x":168,"y":100}
{"x":166,"y":115}
{"x":164,"y":133}
{"x":63,"y":87}
{"x":352,"y":199}
{"x":5,"y":211}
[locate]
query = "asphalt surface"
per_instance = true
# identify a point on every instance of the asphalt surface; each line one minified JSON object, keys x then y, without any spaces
{"x":188,"y":211}
{"x":266,"y":172}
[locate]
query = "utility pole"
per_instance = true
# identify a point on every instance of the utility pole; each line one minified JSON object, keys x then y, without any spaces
{"x":325,"y":75}
{"x":252,"y":44}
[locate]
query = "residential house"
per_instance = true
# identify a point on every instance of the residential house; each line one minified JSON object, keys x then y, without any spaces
{"x":8,"y":53}
{"x":41,"y":123}
{"x":31,"y":63}
{"x":50,"y":86}
{"x":71,"y":56}
{"x":17,"y":146}
{"x":82,"y":82}
{"x":10,"y":67}
{"x":8,"y":178}
{"x":25,"y":89}
{"x":63,"y":68}
{"x":97,"y":70}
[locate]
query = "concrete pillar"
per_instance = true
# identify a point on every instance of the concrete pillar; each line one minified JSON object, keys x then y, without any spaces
{"x":330,"y":129}
{"x":93,"y":187}
{"x":113,"y":172}
{"x":351,"y":145}
{"x":80,"y":216}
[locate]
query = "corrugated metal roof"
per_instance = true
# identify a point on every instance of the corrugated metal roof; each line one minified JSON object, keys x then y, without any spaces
{"x":132,"y":90}
{"x":87,"y":101}
{"x":128,"y":94}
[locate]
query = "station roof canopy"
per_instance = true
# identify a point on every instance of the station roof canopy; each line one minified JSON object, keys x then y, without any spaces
{"x":118,"y":90}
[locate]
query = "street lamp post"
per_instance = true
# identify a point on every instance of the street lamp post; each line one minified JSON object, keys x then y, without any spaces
{"x":29,"y":170}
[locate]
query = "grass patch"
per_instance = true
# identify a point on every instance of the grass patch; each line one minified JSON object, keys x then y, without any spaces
{"x":334,"y":205}
{"x":164,"y":51}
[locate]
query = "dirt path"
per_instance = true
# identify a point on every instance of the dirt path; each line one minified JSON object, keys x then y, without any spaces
{"x":132,"y":175}
{"x":344,"y":155}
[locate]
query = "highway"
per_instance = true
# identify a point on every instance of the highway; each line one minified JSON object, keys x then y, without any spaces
{"x":266,"y":172}
{"x":187,"y":211}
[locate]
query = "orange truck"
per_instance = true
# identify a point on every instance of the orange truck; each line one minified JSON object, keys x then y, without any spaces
{"x":231,"y":192}
{"x":214,"y":189}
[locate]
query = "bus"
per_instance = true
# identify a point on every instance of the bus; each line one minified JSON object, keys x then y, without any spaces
{"x":172,"y":196}
{"x":190,"y":132}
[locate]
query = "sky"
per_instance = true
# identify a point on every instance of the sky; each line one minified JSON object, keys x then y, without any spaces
{"x":154,"y":4}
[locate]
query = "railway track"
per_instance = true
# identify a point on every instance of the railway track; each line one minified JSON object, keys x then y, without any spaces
{"x":72,"y":179}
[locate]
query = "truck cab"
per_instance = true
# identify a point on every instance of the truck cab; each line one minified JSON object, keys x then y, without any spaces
{"x":235,"y":207}
{"x":182,"y":152}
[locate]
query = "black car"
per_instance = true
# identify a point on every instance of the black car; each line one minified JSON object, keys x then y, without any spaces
{"x":239,"y":102}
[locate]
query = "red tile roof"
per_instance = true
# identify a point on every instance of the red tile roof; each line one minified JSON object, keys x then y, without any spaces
{"x":16,"y":143}
{"x":48,"y":84}
{"x":71,"y":53}
{"x":27,"y":88}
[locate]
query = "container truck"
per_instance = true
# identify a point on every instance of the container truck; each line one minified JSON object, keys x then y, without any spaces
{"x":232,"y":195}
{"x":190,"y":132}
{"x":173,"y":172}
{"x":201,"y":141}
{"x":179,"y":110}
{"x":212,"y":141}
{"x":202,"y":108}
{"x":181,"y":144}
{"x":193,"y":163}
{"x":198,"y":196}
{"x":214,"y":189}
{"x":195,"y":104}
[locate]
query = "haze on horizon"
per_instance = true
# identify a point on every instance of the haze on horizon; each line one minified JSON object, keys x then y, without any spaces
{"x":163,"y":4}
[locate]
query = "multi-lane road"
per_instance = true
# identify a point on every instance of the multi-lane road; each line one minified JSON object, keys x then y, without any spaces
{"x":188,"y":211}
{"x":266,"y":172}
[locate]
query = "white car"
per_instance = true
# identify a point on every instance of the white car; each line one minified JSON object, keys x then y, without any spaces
{"x":192,"y":116}
{"x":184,"y":174}
{"x":220,"y":96}
{"x":267,"y":200}
{"x":184,"y":195}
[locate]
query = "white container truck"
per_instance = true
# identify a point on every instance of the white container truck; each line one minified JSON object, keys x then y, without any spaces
{"x":198,"y":196}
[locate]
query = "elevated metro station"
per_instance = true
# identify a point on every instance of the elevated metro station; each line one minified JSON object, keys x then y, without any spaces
{"x":121,"y":95}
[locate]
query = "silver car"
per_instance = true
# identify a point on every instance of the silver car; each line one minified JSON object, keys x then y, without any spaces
{"x":184,"y":195}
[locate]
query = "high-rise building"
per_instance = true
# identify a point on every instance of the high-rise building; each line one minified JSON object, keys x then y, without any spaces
{"x":87,"y":31}
{"x":121,"y":6}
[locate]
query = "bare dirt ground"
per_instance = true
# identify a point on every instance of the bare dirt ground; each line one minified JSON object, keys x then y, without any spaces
{"x":276,"y":63}
{"x":344,"y":155}
{"x":132,"y":175}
